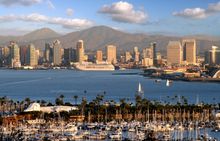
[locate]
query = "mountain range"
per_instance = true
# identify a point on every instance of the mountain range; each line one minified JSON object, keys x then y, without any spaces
{"x":100,"y":36}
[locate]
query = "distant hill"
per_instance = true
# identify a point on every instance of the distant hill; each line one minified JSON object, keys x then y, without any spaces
{"x":100,"y":36}
{"x":37,"y":35}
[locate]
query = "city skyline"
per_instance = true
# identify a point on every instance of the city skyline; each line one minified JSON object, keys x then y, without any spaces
{"x":153,"y":17}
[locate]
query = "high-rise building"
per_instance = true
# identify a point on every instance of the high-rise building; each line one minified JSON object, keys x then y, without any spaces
{"x":174,"y":53}
{"x":69,"y":55}
{"x":146,"y":62}
{"x":31,"y":56}
{"x":80,"y":51}
{"x":128,"y":56}
{"x":99,"y":56}
{"x":48,"y":53}
{"x":23,"y":54}
{"x":136,"y":54}
{"x":154,"y":52}
{"x":14,"y":55}
{"x":189,"y":51}
{"x":212,"y":56}
{"x":57,"y":57}
{"x":37,"y":56}
{"x":6,"y":55}
{"x":111,"y":54}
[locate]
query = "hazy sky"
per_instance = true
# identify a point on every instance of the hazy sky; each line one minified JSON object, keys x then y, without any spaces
{"x":176,"y":17}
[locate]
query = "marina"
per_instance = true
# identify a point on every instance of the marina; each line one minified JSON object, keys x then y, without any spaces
{"x":114,"y":130}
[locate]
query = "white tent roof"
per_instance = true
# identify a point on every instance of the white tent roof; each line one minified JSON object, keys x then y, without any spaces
{"x":49,"y":109}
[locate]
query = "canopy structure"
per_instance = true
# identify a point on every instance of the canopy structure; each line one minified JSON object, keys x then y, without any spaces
{"x":49,"y":109}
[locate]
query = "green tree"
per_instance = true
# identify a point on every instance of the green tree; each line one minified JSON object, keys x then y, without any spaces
{"x":75,"y":97}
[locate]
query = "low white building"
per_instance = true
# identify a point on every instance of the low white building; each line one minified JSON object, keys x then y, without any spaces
{"x":49,"y":109}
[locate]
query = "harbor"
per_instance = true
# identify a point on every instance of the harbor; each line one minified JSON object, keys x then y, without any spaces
{"x":133,"y":131}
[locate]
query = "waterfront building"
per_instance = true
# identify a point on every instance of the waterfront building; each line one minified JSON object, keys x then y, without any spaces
{"x":99,"y":56}
{"x":212,"y":56}
{"x":5,"y":52}
{"x":69,"y":55}
{"x":23,"y":55}
{"x":48,"y":53}
{"x":136,"y":55}
{"x":111,"y":54}
{"x":174,"y":53}
{"x":57,"y":56}
{"x":37,"y":56}
{"x":80,"y":51}
{"x":154,"y":52}
{"x":189,"y":51}
{"x":14,"y":55}
{"x":128,"y":56}
{"x":146,"y":62}
{"x":31,"y":59}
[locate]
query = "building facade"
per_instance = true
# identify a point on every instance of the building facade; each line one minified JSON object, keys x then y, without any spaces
{"x":57,"y":56}
{"x":111,"y":54}
{"x":189,"y":51}
{"x":174,"y":53}
{"x":80,"y":51}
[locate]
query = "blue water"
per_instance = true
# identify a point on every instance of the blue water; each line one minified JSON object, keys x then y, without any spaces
{"x":49,"y":84}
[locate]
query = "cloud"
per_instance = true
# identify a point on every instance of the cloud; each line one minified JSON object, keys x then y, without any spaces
{"x":213,"y":8}
{"x":124,"y":12}
{"x":50,"y":4}
{"x":196,"y":13}
{"x":69,"y":12}
{"x":19,"y":2}
{"x":199,"y":13}
{"x":38,"y":18}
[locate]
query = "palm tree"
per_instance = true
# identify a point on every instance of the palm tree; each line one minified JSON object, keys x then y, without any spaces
{"x":61,"y":98}
{"x":75,"y":97}
{"x":83,"y":105}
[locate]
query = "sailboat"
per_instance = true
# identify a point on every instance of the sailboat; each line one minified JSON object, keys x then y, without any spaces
{"x":140,"y":91}
{"x":168,"y":82}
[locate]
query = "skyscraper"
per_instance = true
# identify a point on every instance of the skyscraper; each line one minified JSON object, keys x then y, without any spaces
{"x":128,"y":56}
{"x":189,"y":51}
{"x":80,"y":51}
{"x":14,"y":55}
{"x":69,"y":55}
{"x":111,"y":54}
{"x":99,"y":56}
{"x":23,"y":55}
{"x":174,"y":53}
{"x":212,"y":56}
{"x":57,"y":58}
{"x":48,"y":53}
{"x":136,"y":55}
{"x":31,"y":56}
{"x":154,"y":53}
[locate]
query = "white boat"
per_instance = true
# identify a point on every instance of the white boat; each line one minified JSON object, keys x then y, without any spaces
{"x":168,"y":82}
{"x":89,"y":66}
{"x":140,"y":91}
{"x":117,"y":135}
